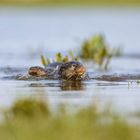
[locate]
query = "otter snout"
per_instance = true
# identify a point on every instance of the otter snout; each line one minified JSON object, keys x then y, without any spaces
{"x":81,"y":70}
{"x":37,"y":71}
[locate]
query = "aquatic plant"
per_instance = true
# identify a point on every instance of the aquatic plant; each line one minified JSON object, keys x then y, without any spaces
{"x":97,"y":50}
{"x":86,"y":124}
{"x":138,"y":82}
{"x":29,"y":108}
{"x":59,"y":58}
{"x":70,"y":2}
{"x":45,"y":61}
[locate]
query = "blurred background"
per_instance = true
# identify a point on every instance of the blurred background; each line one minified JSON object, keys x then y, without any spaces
{"x":29,"y":28}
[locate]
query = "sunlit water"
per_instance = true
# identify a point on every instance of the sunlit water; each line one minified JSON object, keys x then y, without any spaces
{"x":27,"y":33}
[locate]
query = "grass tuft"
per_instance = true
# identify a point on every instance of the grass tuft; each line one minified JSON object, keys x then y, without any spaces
{"x":32,"y":120}
{"x":97,"y":50}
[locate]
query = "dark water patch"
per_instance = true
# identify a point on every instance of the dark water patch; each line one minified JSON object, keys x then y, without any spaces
{"x":118,"y":78}
{"x":109,"y":84}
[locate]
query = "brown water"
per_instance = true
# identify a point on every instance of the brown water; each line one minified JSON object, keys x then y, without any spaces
{"x":25,"y":34}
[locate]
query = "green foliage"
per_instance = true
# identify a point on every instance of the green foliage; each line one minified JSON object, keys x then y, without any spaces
{"x":71,"y":2}
{"x":86,"y":124}
{"x":96,"y":49}
{"x":59,"y":58}
{"x":44,"y":61}
{"x":29,"y":108}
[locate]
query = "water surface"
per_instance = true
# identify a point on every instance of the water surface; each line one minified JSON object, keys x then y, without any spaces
{"x":27,"y":33}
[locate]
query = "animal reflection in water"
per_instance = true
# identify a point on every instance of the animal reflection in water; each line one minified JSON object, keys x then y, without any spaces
{"x":63,"y":85}
{"x":72,"y":85}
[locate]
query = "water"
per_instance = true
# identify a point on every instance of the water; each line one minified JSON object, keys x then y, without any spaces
{"x":27,"y":33}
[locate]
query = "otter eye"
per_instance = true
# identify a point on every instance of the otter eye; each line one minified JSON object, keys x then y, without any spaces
{"x":74,"y":65}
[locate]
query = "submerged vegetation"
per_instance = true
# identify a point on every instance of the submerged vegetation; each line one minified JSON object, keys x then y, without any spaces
{"x":32,"y":120}
{"x":97,"y":50}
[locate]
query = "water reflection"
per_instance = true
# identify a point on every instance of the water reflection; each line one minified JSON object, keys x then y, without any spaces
{"x":72,"y":85}
{"x":63,"y":85}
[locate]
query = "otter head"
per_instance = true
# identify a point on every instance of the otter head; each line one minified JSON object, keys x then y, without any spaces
{"x":72,"y":71}
{"x":37,"y":71}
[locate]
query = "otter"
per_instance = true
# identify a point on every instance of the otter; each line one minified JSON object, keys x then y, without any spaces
{"x":72,"y":70}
